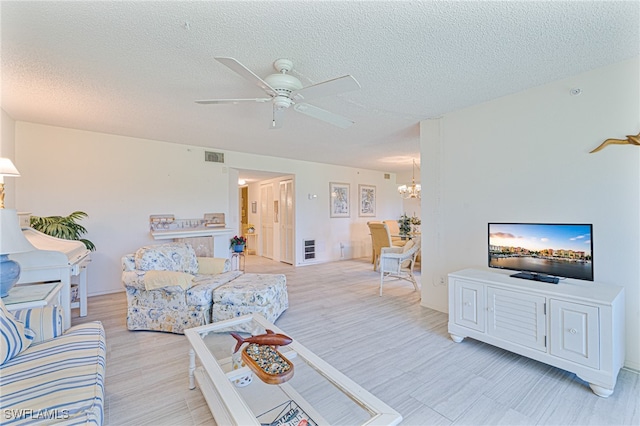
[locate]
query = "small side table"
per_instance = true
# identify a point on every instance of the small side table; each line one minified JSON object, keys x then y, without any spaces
{"x":237,"y":261}
{"x":27,"y":296}
{"x":252,"y":242}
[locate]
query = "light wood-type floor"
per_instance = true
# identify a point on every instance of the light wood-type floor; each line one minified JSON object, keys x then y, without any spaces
{"x":390,"y":345}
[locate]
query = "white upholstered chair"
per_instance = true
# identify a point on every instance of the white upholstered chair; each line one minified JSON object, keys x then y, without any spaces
{"x":398,"y":262}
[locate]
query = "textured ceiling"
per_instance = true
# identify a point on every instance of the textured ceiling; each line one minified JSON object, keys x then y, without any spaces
{"x":135,"y":68}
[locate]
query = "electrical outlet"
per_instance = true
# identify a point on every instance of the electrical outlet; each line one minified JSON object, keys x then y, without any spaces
{"x":441,"y":280}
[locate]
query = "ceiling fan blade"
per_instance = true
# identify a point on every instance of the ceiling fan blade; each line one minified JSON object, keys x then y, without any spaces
{"x":321,"y":114}
{"x":327,"y":88}
{"x":278,"y":113}
{"x":247,"y":73}
{"x":232,"y":101}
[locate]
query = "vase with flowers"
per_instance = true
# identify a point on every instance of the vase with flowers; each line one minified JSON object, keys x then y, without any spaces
{"x":238,"y":243}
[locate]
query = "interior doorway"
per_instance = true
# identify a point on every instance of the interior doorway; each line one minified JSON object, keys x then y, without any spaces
{"x":267,"y":204}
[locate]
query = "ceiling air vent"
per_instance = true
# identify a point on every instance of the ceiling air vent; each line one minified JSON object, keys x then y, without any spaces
{"x":214,"y":157}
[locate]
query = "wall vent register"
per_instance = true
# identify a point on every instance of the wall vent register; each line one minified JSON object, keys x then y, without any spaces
{"x":214,"y":157}
{"x":309,"y":250}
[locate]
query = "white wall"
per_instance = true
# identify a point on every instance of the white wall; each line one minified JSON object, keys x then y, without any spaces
{"x":525,"y":158}
{"x":7,"y":150}
{"x":119,"y":181}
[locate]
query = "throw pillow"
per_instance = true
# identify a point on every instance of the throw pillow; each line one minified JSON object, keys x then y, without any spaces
{"x":46,"y":322}
{"x":14,"y":336}
{"x":211,"y":265}
{"x":154,"y":280}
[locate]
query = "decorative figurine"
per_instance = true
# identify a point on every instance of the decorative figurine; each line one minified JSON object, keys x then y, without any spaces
{"x":630,"y":140}
{"x":269,"y":338}
{"x":262,"y":357}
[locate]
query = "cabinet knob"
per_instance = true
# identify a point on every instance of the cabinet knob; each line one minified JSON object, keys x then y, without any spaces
{"x":573,"y":331}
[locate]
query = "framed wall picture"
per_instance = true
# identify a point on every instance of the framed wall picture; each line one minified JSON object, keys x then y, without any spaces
{"x":339,"y":199}
{"x":367,"y":198}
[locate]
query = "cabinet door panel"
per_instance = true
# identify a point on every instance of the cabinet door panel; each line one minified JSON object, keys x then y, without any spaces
{"x":469,"y":305}
{"x":517,"y":317}
{"x":574,"y":333}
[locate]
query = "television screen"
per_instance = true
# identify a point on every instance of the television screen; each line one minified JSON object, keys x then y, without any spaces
{"x":540,"y":250}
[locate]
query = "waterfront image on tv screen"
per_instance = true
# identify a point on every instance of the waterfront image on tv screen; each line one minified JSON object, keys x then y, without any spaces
{"x":562,"y":250}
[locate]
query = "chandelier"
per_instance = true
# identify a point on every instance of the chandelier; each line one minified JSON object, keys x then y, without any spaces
{"x":413,"y":190}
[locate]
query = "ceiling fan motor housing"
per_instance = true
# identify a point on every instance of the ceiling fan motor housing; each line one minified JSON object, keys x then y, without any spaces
{"x":283,"y":83}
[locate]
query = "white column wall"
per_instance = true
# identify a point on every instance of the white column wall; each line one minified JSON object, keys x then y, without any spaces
{"x":525,"y":158}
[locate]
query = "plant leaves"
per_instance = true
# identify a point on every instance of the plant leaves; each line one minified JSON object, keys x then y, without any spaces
{"x":64,"y":227}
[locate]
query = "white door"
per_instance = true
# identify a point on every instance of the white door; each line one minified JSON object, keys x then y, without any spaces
{"x":286,"y":222}
{"x":266,"y":219}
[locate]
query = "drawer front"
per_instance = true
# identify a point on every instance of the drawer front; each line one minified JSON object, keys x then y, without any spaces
{"x":517,"y":317}
{"x":575,"y":332}
{"x":469,"y":305}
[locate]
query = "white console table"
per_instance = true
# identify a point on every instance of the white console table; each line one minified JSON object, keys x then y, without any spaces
{"x":575,"y":325}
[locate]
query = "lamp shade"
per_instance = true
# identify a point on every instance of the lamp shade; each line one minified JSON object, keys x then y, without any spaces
{"x":7,"y":168}
{"x":12,"y":240}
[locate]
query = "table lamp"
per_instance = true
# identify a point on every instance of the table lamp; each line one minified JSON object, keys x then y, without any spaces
{"x":6,"y":169}
{"x":12,"y":240}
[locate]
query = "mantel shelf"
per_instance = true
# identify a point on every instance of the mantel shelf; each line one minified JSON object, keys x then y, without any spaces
{"x":201,"y":231}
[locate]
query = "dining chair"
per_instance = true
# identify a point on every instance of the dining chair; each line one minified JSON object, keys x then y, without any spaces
{"x":380,"y":237}
{"x":394,"y":230}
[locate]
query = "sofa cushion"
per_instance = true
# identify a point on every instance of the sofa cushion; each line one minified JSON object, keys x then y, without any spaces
{"x":154,"y":280}
{"x":179,"y":257}
{"x":14,"y":336}
{"x":60,"y":381}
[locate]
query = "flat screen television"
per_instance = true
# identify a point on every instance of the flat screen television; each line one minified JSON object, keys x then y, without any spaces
{"x":542,"y":251}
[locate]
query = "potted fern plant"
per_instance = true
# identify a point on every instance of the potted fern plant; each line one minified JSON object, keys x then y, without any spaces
{"x":65,"y":227}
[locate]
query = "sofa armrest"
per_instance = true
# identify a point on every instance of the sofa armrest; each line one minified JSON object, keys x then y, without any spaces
{"x":128,"y":262}
{"x":45,"y":322}
{"x":135,"y":279}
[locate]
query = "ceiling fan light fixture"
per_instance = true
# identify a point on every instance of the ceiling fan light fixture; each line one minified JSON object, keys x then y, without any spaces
{"x":281,"y":102}
{"x":285,"y":90}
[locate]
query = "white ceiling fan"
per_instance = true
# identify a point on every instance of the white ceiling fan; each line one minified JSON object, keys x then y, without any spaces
{"x":285,"y":90}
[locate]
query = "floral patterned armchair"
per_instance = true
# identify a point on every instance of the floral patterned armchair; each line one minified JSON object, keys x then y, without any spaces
{"x":169,"y":288}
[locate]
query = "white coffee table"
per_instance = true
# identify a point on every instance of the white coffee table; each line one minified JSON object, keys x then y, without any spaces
{"x":28,"y":296}
{"x":317,"y":391}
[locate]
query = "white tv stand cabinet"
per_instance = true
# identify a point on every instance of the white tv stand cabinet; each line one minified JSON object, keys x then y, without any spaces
{"x":575,"y":325}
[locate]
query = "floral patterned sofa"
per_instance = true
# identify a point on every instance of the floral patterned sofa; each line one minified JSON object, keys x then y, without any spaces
{"x":169,"y":289}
